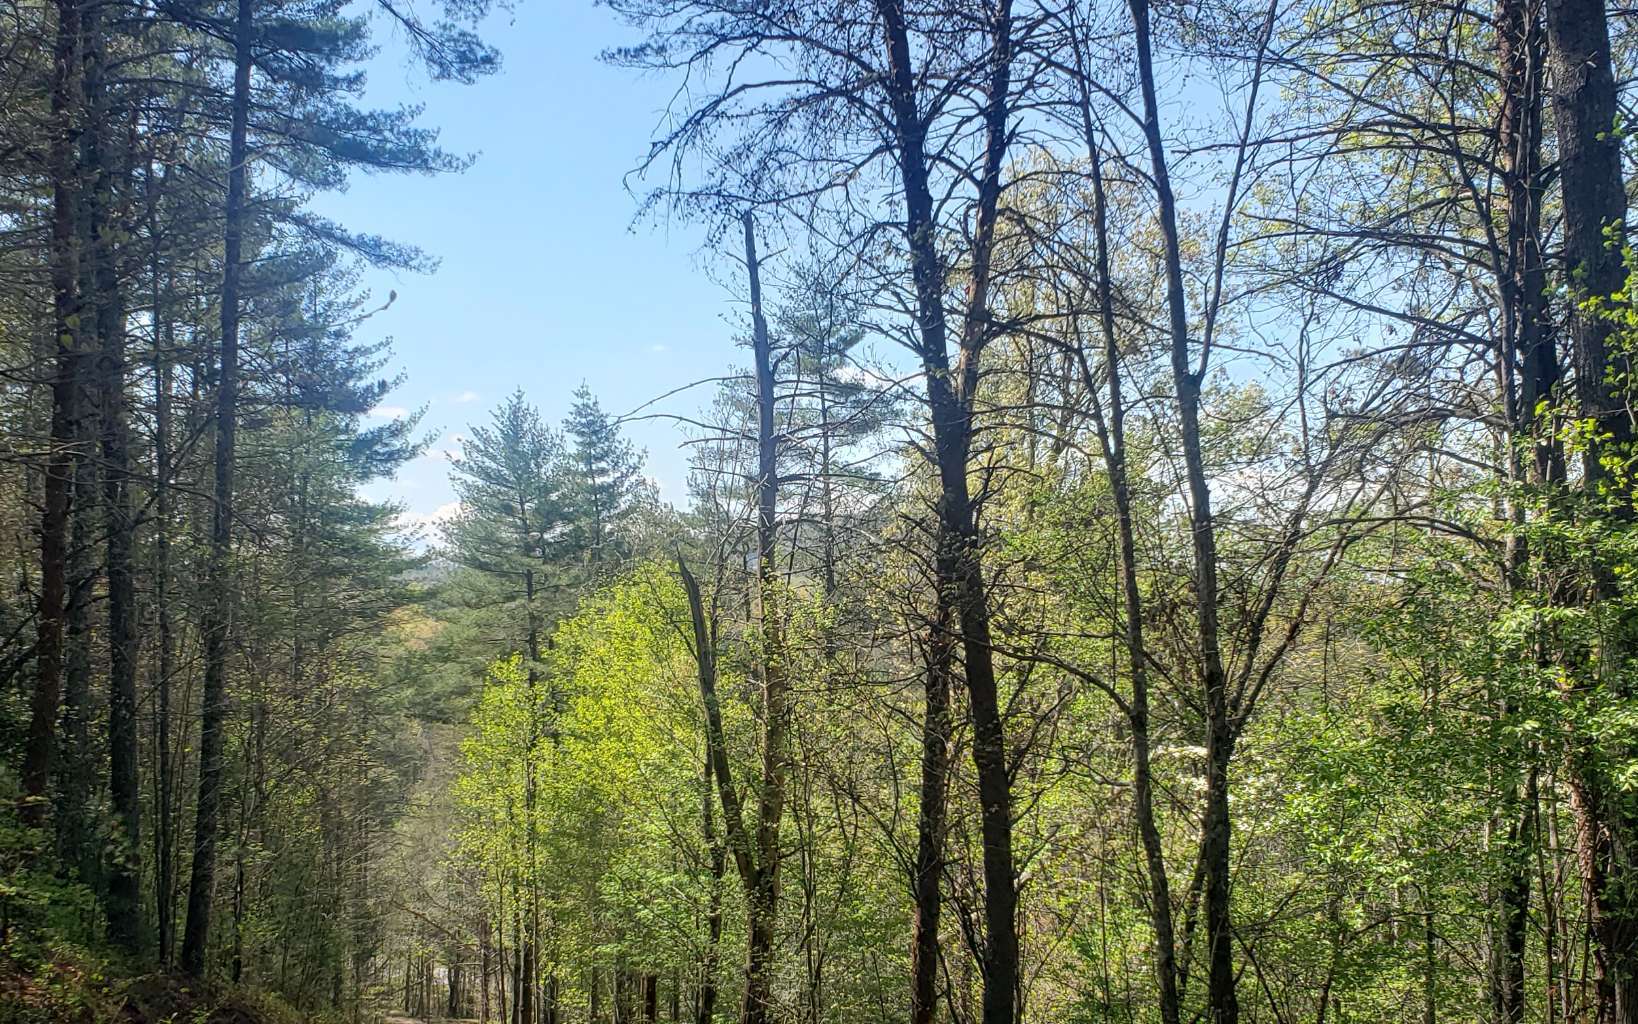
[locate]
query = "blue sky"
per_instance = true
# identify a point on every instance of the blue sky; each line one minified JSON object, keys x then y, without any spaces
{"x":544,"y":281}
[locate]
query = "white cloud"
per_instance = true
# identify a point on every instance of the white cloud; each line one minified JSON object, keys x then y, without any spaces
{"x":658,"y":348}
{"x":388,"y":412}
{"x":427,"y":522}
{"x":465,"y":397}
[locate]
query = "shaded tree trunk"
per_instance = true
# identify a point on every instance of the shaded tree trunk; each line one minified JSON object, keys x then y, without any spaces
{"x":216,"y":625}
{"x":1529,"y":373}
{"x":46,"y":698}
{"x":706,"y":1006}
{"x":1594,"y":201}
{"x":123,"y":864}
{"x":164,"y":781}
{"x":483,"y":970}
{"x":79,"y":759}
{"x":958,"y":565}
{"x":1222,"y":1001}
{"x":1112,"y":432}
{"x":928,"y":869}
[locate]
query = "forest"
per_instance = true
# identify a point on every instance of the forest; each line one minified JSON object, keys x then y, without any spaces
{"x":1160,"y":543}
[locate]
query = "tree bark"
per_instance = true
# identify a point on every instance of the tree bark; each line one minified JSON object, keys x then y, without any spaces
{"x":1113,"y":436}
{"x":1594,"y":204}
{"x":46,"y":699}
{"x":1528,"y":339}
{"x":123,"y":855}
{"x":216,"y":625}
{"x":706,"y":1005}
{"x":928,"y":870}
{"x":1222,"y":1001}
{"x":164,"y":780}
{"x":1589,"y":162}
{"x":1529,"y":375}
{"x":78,"y":759}
{"x":958,"y":562}
{"x":763,"y":885}
{"x":483,"y":970}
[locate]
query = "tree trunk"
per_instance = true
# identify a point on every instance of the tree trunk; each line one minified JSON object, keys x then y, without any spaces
{"x":1589,"y":162}
{"x":1528,"y":341}
{"x":926,"y":881}
{"x":1528,"y":364}
{"x":1223,"y":1005}
{"x":519,"y":985}
{"x":453,"y":1008}
{"x":46,"y":699}
{"x":1112,"y":433}
{"x":164,"y":773}
{"x":1594,"y":201}
{"x":215,"y":627}
{"x":706,"y":1007}
{"x":762,"y":886}
{"x":526,"y":950}
{"x":79,"y":758}
{"x":756,"y":857}
{"x":123,"y":856}
{"x":500,"y":963}
{"x":958,"y":564}
{"x":483,"y":970}
{"x":1513,"y":908}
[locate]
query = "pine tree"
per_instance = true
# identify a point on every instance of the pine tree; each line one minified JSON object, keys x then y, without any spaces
{"x":511,"y":513}
{"x":604,"y":485}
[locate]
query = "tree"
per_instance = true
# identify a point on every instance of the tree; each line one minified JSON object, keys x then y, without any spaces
{"x":1594,"y":201}
{"x":756,"y":851}
{"x":512,"y":525}
{"x":64,"y":263}
{"x":605,"y":486}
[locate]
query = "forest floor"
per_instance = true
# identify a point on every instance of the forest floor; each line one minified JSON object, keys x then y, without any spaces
{"x":64,"y":990}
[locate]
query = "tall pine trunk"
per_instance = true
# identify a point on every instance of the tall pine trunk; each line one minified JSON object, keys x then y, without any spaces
{"x":46,"y":699}
{"x":1529,"y":374}
{"x":123,"y":864}
{"x":928,"y":870}
{"x":78,"y":759}
{"x":215,"y":627}
{"x":1585,"y":106}
{"x":164,"y":781}
{"x":763,"y":885}
{"x":962,"y":594}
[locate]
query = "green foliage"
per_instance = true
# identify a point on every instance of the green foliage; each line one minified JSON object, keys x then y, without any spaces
{"x":573,"y":783}
{"x":605,"y":486}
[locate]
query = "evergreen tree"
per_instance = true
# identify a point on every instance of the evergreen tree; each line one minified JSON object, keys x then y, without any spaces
{"x":511,"y":504}
{"x":604,"y":485}
{"x":511,"y":528}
